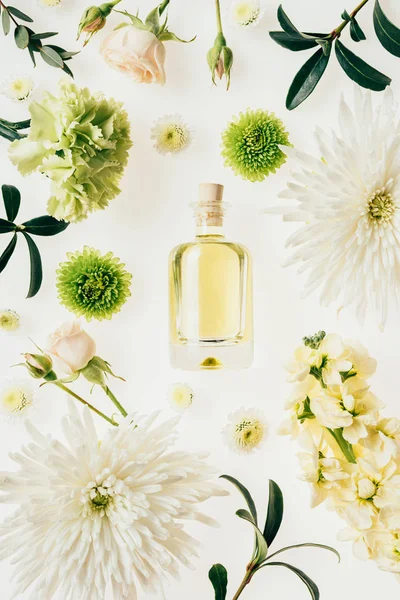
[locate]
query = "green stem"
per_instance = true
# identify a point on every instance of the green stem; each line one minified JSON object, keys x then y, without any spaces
{"x":219,"y":20}
{"x":9,"y":14}
{"x":336,"y":32}
{"x":93,"y":408}
{"x":163,"y":6}
{"x":344,"y":445}
{"x":115,"y":401}
{"x":246,"y":581}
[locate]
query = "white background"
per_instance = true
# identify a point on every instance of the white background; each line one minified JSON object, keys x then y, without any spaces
{"x":151,"y":216}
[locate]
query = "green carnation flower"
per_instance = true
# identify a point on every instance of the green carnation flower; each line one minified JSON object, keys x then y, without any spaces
{"x":80,"y":142}
{"x":92,"y":285}
{"x":251,"y":144}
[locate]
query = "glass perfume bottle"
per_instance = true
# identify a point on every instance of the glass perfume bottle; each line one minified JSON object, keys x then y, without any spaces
{"x":211,"y":296}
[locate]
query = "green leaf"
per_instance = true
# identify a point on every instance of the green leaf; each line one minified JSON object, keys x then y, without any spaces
{"x":68,"y":70}
{"x":360,"y":71}
{"x":307,"y":79}
{"x":275,"y":512}
{"x":36,"y":267}
{"x":152,"y":22}
{"x":138,"y":23}
{"x":65,"y":55}
{"x":311,"y":586}
{"x":17,"y":13}
{"x":290,"y":43}
{"x":344,"y":445}
{"x":12,"y":201}
{"x":51,"y":57}
{"x":8,"y":133}
{"x":31,"y":48}
{"x":261,"y":546}
{"x":6,"y":226}
{"x":102,"y":364}
{"x":6,"y":22}
{"x":21,"y":37}
{"x":45,"y":225}
{"x":286,"y":23}
{"x":387,"y":32}
{"x":8,"y":252}
{"x":218,"y":576}
{"x":168,"y":36}
{"x":307,"y":545}
{"x":245,"y":493}
{"x":356,"y":33}
{"x":43,"y":36}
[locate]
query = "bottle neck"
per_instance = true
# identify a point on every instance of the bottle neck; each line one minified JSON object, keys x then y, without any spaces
{"x":205,"y":230}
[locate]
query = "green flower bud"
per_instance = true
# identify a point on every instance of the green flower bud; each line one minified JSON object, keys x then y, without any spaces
{"x":38,"y":365}
{"x":94,"y":374}
{"x":220,"y":59}
{"x":94,"y":19}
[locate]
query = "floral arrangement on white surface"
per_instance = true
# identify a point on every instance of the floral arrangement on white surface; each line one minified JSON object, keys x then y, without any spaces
{"x":350,"y":452}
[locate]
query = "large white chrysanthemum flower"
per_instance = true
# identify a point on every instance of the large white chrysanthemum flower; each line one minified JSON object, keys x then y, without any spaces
{"x":348,"y":201}
{"x":101,"y":515}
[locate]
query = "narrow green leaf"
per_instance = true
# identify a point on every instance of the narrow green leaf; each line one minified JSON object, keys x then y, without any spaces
{"x":344,"y":445}
{"x":356,"y":33}
{"x":12,"y":201}
{"x":6,"y":22}
{"x":307,"y":79}
{"x":8,"y":133}
{"x":245,"y":493}
{"x":309,"y":583}
{"x":286,"y":23}
{"x":275,"y":512}
{"x":360,"y":71}
{"x":21,"y":37}
{"x":168,"y":36}
{"x":8,"y":252}
{"x":138,"y":23}
{"x":31,"y":49}
{"x":306,"y":545}
{"x":43,"y":36}
{"x":218,"y":576}
{"x":45,"y":225}
{"x":261,"y":546}
{"x":67,"y":70}
{"x":36,"y":267}
{"x":387,"y":32}
{"x":51,"y":57}
{"x":18,"y":13}
{"x":7,"y":226}
{"x":290,"y":43}
{"x":152,"y":21}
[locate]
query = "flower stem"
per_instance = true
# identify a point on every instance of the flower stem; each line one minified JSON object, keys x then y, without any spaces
{"x":93,"y":408}
{"x":115,"y":401}
{"x":163,"y":6}
{"x":246,"y":580}
{"x":344,"y":445}
{"x":336,"y":32}
{"x":219,"y":20}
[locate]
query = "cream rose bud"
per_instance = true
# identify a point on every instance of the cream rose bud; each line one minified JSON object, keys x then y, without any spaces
{"x":72,"y":347}
{"x":135,"y":52}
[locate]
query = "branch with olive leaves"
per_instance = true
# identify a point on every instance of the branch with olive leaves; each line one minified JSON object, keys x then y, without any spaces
{"x":355,"y":67}
{"x":26,"y":38}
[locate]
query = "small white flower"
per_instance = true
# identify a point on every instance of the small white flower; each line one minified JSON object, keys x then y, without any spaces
{"x":18,"y":87}
{"x":180,"y":396}
{"x":171,"y":135}
{"x":17,"y":398}
{"x":383,"y":439}
{"x":246,"y":430}
{"x":246,"y":13}
{"x":298,"y":405}
{"x":49,"y":3}
{"x":9,"y":320}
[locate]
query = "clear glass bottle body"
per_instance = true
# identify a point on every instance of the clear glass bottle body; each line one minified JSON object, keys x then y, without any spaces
{"x":211,"y":303}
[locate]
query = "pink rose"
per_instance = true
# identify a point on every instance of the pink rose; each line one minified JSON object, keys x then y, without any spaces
{"x":136,"y":52}
{"x":71,"y":347}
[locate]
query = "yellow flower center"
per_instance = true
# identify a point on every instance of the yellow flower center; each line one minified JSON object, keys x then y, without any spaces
{"x":15,"y":399}
{"x":246,"y":13}
{"x":249,"y":433}
{"x":381,"y":207}
{"x":174,"y":138}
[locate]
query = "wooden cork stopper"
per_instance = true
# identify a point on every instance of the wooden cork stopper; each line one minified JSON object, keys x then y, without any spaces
{"x":210,"y":193}
{"x":209,"y":208}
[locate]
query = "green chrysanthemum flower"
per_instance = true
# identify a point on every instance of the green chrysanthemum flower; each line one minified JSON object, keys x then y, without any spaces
{"x":251,"y":144}
{"x":92,"y":285}
{"x":80,"y":142}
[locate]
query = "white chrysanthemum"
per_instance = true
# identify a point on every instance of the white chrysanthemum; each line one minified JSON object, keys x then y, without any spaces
{"x":103,"y":512}
{"x":18,"y":87}
{"x":171,"y":135}
{"x":180,"y":396}
{"x":17,"y":398}
{"x":246,"y":430}
{"x":9,"y":320}
{"x":49,"y":3}
{"x":348,"y":201}
{"x":246,"y":13}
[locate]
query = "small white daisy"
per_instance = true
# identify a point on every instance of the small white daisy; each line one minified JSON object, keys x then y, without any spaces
{"x":171,"y":134}
{"x":180,"y":396}
{"x":18,"y":87}
{"x":9,"y":320}
{"x":246,"y":13}
{"x":17,"y":398}
{"x":246,"y":430}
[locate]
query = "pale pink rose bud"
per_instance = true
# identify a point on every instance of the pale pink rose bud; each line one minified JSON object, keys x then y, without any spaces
{"x":71,"y":347}
{"x":137,"y":53}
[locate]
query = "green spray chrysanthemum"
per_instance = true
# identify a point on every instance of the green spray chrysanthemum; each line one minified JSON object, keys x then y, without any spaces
{"x":251,"y":144}
{"x":80,"y":141}
{"x":92,"y":285}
